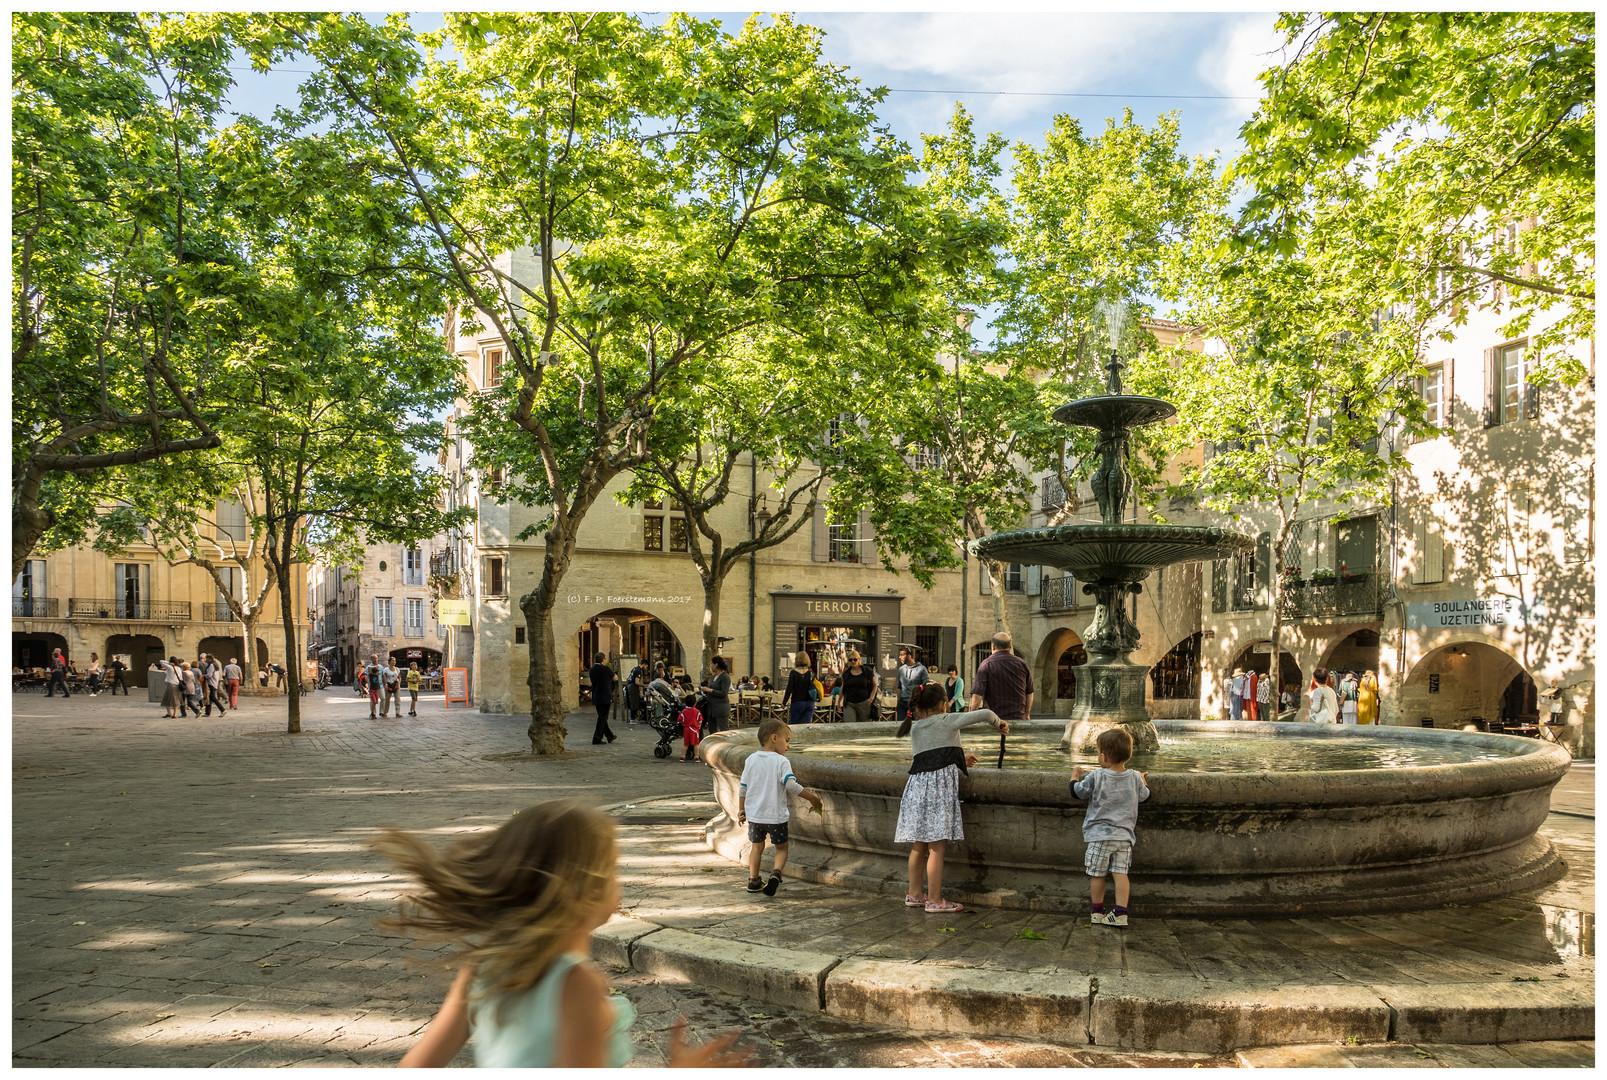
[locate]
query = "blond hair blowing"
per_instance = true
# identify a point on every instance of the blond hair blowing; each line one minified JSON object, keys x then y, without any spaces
{"x":511,"y":896}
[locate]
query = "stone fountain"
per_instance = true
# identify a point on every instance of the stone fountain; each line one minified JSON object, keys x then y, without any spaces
{"x":1243,"y":819}
{"x":1112,"y":559}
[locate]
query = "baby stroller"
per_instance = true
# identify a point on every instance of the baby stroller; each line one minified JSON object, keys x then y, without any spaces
{"x":663,"y":715}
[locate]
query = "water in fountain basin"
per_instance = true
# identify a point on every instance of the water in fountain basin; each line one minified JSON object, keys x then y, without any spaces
{"x":1197,"y":752}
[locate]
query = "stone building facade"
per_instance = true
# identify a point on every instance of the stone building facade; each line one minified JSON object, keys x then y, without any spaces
{"x":1471,"y":590}
{"x":139,"y":606}
{"x":386,"y":606}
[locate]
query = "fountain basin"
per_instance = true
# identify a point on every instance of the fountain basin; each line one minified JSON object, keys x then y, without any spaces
{"x":1209,"y":843}
{"x":1115,"y":552}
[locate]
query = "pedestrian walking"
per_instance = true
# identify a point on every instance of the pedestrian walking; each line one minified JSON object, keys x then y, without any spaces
{"x":1003,"y":682}
{"x":231,"y":681}
{"x":717,"y":697}
{"x":58,"y":675}
{"x":911,"y":673}
{"x":213,"y":678}
{"x":1236,"y":695}
{"x":1263,"y":698}
{"x":1251,"y":680}
{"x":371,"y":682}
{"x":118,"y":669}
{"x":602,"y":696}
{"x":190,"y":692}
{"x":799,"y":696}
{"x":172,"y":678}
{"x":412,"y":689}
{"x":1348,"y":711}
{"x":954,"y":686}
{"x":92,"y":675}
{"x":691,"y":719}
{"x":857,"y":688}
{"x":391,"y":688}
{"x":522,"y":904}
{"x":929,"y":812}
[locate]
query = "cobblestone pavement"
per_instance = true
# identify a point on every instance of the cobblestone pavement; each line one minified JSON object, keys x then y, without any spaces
{"x":198,"y":892}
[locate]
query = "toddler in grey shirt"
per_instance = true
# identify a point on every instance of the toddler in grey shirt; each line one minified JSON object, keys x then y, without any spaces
{"x":1110,"y":822}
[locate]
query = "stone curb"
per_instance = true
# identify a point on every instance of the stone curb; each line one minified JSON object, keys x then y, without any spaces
{"x":1124,"y":1012}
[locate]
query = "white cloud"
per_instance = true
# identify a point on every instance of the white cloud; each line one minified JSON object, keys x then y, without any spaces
{"x":1248,"y":45}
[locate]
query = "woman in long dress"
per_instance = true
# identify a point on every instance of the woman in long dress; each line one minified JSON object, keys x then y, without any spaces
{"x":1367,"y":700}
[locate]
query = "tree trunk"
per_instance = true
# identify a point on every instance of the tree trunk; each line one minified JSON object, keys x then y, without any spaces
{"x":28,"y":524}
{"x":712,"y":588}
{"x":547,"y":730}
{"x":1001,"y":612}
{"x":287,"y":609}
{"x":1275,"y":671}
{"x":248,"y":658}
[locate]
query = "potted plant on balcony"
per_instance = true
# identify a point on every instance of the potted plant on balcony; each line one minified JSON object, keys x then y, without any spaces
{"x":1354,"y":577}
{"x":1293,"y":578}
{"x":1323,"y":576}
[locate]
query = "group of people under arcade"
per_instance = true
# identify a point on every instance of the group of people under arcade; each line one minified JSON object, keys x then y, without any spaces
{"x":1337,"y":697}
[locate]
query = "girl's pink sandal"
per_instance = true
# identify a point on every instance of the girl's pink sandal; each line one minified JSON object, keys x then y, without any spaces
{"x":942,"y":909}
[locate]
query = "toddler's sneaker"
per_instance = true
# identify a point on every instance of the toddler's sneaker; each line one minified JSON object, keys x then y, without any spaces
{"x":1115,"y":919}
{"x":772,"y":885}
{"x":753,"y":884}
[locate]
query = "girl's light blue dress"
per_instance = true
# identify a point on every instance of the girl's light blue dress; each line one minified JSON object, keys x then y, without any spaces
{"x":525,"y":1033}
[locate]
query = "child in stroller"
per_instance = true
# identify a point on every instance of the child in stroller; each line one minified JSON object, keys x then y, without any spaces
{"x":663,"y":714}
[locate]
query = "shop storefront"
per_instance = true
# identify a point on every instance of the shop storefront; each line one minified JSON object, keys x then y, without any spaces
{"x":827,"y":626}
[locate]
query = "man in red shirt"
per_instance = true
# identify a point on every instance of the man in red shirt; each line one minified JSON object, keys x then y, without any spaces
{"x":1003,"y":682}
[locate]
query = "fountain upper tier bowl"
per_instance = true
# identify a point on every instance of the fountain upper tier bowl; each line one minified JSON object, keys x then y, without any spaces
{"x":1113,"y":552}
{"x":1113,"y":411}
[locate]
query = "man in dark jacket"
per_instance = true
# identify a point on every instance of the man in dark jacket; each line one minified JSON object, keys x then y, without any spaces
{"x":602,"y":696}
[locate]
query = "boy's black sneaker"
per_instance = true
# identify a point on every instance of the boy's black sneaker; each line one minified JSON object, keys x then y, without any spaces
{"x":753,"y":884}
{"x":772,"y":885}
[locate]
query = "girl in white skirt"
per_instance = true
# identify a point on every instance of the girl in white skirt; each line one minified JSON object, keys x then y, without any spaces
{"x":929,"y":814}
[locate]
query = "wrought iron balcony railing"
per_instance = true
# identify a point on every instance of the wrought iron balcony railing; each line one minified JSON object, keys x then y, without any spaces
{"x":1354,"y":594}
{"x":35,"y":607}
{"x":217,"y":611}
{"x":443,"y":563}
{"x":1060,"y":594}
{"x":385,"y":629}
{"x":80,"y":607}
{"x":412,"y":631}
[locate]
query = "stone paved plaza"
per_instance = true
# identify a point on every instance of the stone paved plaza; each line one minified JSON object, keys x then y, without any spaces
{"x":198,"y":892}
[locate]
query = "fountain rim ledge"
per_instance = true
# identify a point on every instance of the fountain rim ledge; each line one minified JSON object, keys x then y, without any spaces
{"x":1535,"y":765}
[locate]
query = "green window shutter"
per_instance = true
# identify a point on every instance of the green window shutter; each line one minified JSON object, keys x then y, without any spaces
{"x":1219,"y":585}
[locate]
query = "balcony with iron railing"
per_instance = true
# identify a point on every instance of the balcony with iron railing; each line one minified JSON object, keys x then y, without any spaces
{"x":410,"y":630}
{"x":35,"y":607}
{"x":217,"y":611}
{"x":80,"y":607}
{"x":1347,"y":595}
{"x":443,"y":563}
{"x":1060,"y":594}
{"x":384,"y":629}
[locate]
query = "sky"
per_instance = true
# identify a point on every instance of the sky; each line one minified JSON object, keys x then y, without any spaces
{"x":1014,"y":71}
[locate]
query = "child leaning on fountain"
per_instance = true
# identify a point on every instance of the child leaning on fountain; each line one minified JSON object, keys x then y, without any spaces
{"x":1113,"y":793}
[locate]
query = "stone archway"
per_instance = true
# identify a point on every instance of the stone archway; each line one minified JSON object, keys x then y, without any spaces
{"x":617,"y":631}
{"x":1257,"y":656}
{"x":1054,"y":672}
{"x":1356,"y":651}
{"x":1463,"y":682}
{"x":142,"y":651}
{"x":34,"y":649}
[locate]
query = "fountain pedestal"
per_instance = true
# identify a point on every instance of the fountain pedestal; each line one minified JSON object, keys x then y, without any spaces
{"x":1110,"y":694}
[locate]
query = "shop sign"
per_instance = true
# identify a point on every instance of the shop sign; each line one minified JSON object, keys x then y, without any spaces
{"x":836,"y":610}
{"x":1471,"y":613}
{"x":452,"y":612}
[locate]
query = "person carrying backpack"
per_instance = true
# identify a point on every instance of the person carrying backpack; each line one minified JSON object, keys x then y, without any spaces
{"x":801,"y":693}
{"x":371,"y":681}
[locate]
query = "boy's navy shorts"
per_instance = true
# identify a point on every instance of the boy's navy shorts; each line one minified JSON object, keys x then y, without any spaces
{"x":757,"y":832}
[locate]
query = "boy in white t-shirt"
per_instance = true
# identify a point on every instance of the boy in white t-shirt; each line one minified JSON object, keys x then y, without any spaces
{"x":767,"y":780}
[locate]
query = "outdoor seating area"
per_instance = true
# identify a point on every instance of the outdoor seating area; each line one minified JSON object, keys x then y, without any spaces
{"x":752,"y":707}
